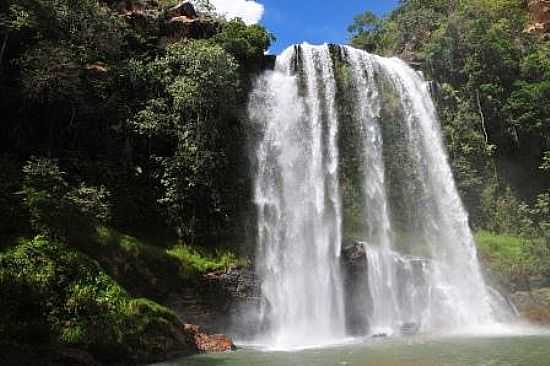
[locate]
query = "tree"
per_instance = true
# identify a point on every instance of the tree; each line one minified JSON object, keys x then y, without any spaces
{"x":364,"y":31}
{"x":58,"y":209}
{"x":198,"y":85}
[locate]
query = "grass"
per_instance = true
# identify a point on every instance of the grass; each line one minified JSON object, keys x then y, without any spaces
{"x":503,"y":255}
{"x":498,"y":246}
{"x":192,"y":259}
{"x":199,"y":260}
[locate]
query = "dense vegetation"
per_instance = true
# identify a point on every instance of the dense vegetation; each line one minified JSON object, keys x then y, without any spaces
{"x":117,"y":124}
{"x":492,"y":90}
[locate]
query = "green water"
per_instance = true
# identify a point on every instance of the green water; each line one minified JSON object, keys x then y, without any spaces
{"x":483,"y":351}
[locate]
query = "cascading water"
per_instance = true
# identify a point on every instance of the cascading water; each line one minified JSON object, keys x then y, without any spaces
{"x":458,"y":297}
{"x":453,"y":294}
{"x":381,"y":274}
{"x":298,"y":200}
{"x":422,"y":260}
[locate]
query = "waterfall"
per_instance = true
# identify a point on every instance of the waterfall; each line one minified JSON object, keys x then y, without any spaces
{"x":422,"y":265}
{"x":298,"y":199}
{"x":458,"y":297}
{"x":381,"y":269}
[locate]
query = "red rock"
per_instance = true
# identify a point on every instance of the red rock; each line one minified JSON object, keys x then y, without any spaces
{"x":205,"y":342}
{"x":539,"y":11}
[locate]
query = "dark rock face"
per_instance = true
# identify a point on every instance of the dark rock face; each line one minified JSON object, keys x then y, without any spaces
{"x":268,"y":62}
{"x":220,"y":301}
{"x":354,"y":268}
{"x":240,"y":288}
{"x":183,"y":21}
{"x":182,"y":27}
{"x":183,"y":9}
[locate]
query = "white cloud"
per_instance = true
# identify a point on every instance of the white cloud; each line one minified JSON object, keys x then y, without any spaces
{"x":249,"y":11}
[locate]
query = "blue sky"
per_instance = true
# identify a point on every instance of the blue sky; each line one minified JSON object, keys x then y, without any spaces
{"x":296,"y":21}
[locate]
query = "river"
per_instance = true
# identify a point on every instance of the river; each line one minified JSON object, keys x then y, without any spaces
{"x":525,"y":350}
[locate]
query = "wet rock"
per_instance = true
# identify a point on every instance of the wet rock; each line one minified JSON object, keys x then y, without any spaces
{"x":354,"y":255}
{"x":356,"y":294}
{"x":409,"y":329}
{"x":205,"y":342}
{"x":533,"y":305}
{"x":220,"y":301}
{"x":380,"y":335}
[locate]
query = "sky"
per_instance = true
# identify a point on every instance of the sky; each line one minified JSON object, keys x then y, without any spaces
{"x":297,"y":21}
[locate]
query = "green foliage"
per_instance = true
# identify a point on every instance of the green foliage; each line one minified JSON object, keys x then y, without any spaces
{"x":194,"y":260}
{"x":154,"y":117}
{"x":85,"y":24}
{"x":499,"y":245}
{"x":54,"y":296}
{"x":246,"y":43}
{"x":522,"y":255}
{"x":50,"y":74}
{"x":144,"y":268}
{"x":506,"y":258}
{"x":56,"y":208}
{"x":545,"y":166}
{"x":199,"y":85}
{"x":504,"y":213}
{"x":205,"y":76}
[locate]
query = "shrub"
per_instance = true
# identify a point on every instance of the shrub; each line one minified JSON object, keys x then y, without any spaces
{"x":193,"y":260}
{"x":54,"y":296}
{"x":58,"y":209}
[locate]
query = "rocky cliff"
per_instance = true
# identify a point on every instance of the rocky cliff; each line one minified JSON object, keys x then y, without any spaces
{"x":539,"y":11}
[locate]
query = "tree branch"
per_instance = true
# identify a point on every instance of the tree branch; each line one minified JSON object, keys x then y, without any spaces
{"x":482,"y":116}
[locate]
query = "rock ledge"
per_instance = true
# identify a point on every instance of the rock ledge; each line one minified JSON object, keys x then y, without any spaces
{"x":205,"y":342}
